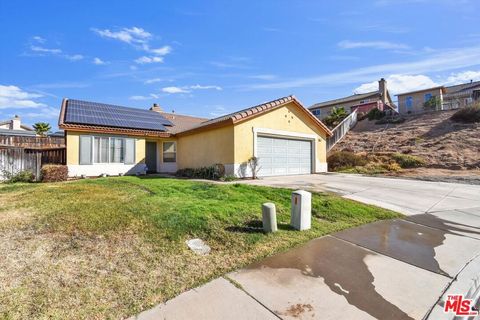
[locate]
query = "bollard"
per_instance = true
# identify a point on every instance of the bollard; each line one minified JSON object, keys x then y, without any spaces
{"x":301,"y":212}
{"x":269,"y":217}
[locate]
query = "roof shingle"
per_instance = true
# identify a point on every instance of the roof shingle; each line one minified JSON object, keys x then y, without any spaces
{"x":344,"y":100}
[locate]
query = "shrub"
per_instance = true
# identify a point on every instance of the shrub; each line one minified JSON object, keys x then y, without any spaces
{"x":345,"y":159}
{"x":394,"y":120}
{"x":394,"y":167}
{"x":432,"y":104}
{"x":408,"y":161}
{"x":54,"y":173}
{"x":228,"y":178}
{"x":375,"y":114}
{"x":21,"y":176}
{"x":214,"y":172}
{"x":467,"y":115}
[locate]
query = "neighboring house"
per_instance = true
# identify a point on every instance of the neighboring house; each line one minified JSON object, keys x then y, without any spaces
{"x":108,"y":139}
{"x":364,"y":102}
{"x":413,"y":102}
{"x":14,"y":127}
{"x":451,"y":97}
{"x":462,"y":95}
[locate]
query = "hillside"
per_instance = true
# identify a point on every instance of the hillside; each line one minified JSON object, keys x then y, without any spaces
{"x":442,"y":143}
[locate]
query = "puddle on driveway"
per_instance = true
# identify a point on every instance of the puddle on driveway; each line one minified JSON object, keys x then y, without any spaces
{"x":342,"y":267}
{"x":405,"y":241}
{"x":452,"y":227}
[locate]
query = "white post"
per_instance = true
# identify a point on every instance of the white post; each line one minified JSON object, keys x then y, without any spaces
{"x":301,"y":212}
{"x":269,"y":217}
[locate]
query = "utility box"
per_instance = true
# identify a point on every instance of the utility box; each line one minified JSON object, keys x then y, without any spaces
{"x":301,"y":214}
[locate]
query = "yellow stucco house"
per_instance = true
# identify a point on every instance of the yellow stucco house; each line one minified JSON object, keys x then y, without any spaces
{"x":114,"y":140}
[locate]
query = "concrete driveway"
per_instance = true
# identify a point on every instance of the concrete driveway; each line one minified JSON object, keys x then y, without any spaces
{"x":396,"y":269}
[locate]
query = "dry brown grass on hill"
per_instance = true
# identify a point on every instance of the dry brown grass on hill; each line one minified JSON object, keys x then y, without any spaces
{"x":442,"y":143}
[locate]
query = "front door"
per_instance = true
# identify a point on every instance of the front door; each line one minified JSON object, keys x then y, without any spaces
{"x":151,"y":156}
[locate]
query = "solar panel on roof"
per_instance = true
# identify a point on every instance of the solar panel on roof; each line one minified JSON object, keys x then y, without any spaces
{"x":93,"y":113}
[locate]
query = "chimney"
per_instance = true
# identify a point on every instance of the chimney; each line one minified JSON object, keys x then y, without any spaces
{"x":156,"y":107}
{"x":382,"y":89}
{"x":15,"y":123}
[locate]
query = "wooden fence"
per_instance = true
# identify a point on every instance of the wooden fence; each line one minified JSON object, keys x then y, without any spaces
{"x":14,"y":160}
{"x":32,"y":142}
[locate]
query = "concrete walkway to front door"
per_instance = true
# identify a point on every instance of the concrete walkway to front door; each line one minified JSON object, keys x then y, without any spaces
{"x":395,"y":269}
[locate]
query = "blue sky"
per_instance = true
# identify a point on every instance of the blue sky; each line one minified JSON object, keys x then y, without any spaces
{"x":208,"y":58}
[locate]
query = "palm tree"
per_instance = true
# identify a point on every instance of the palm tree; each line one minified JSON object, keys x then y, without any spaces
{"x":337,"y":114}
{"x":41,"y":128}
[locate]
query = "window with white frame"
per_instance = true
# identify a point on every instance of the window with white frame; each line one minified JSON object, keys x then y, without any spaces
{"x":104,"y":149}
{"x":169,"y":151}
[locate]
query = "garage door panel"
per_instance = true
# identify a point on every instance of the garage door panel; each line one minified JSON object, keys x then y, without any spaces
{"x":280,"y":156}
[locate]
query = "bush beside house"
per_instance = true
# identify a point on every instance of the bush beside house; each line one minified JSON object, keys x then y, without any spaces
{"x":54,"y":173}
{"x":467,"y":115}
{"x":21,"y":176}
{"x":349,"y":162}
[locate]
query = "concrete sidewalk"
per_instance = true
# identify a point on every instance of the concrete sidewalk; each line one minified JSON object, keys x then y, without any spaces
{"x":396,"y":269}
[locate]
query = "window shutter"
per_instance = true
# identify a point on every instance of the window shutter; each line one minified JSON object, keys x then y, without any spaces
{"x":85,"y":150}
{"x":129,"y":151}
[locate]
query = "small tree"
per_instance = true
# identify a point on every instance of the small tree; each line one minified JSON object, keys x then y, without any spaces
{"x":335,"y":117}
{"x":433,"y":103}
{"x":253,"y":164}
{"x":42,"y":128}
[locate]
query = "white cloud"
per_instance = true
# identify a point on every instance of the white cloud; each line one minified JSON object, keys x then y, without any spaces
{"x":39,"y":39}
{"x":385,"y":45}
{"x":398,"y":83}
{"x":174,"y":90}
{"x":39,"y":50}
{"x":14,"y":97}
{"x":462,"y":77}
{"x":129,"y":35}
{"x":74,"y":57}
{"x":438,"y":61}
{"x":149,"y":97}
{"x":264,"y":76}
{"x":160,"y":51}
{"x":46,"y":112}
{"x":199,"y":87}
{"x":154,"y":80}
{"x":218,"y":111}
{"x":98,"y":61}
{"x":138,"y":38}
{"x":45,"y":50}
{"x":145,"y":59}
{"x":188,"y":89}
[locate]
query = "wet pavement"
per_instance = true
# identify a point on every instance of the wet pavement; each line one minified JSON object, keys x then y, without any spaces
{"x":394,"y":269}
{"x":425,"y":247}
{"x":338,"y":279}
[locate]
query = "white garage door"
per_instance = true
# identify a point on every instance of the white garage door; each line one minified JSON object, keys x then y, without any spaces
{"x":279,"y":156}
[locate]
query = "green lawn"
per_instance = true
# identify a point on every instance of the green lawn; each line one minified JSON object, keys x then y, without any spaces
{"x":111,"y":247}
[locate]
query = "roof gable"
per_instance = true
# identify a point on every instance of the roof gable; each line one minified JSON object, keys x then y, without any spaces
{"x":248,"y":113}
